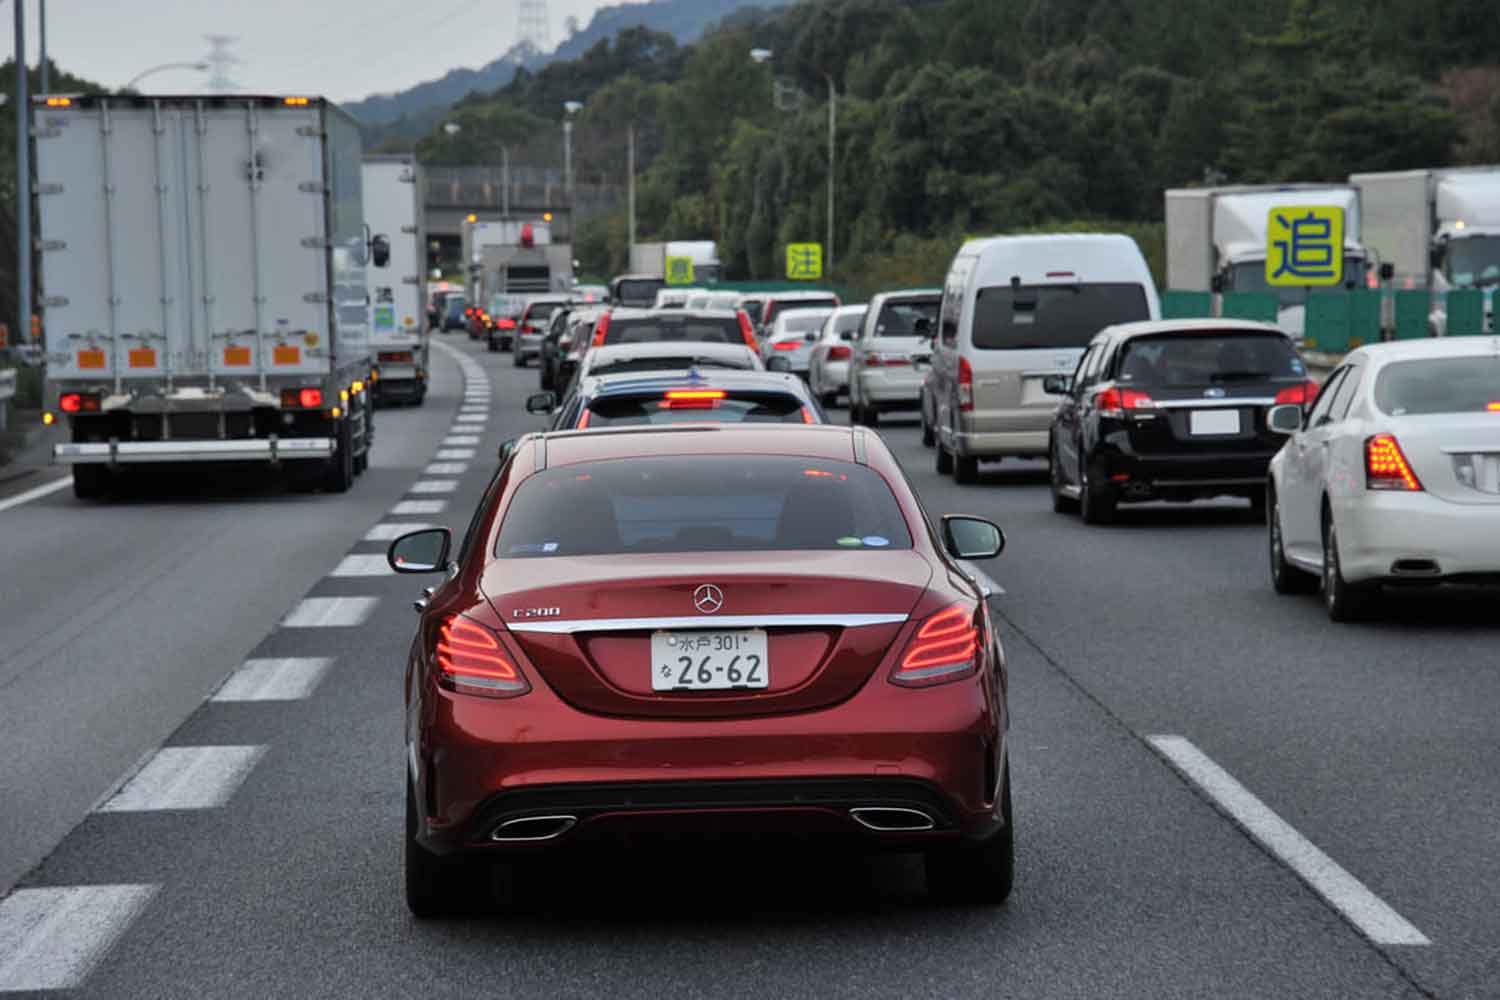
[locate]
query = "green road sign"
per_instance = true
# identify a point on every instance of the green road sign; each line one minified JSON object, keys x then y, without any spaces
{"x":804,"y":261}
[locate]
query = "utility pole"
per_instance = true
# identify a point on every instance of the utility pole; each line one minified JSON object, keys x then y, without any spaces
{"x":505,"y":182}
{"x":630,"y":178}
{"x":23,"y":181}
{"x":833,"y":119}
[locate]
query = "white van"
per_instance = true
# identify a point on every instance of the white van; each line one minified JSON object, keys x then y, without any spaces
{"x":1015,"y":310}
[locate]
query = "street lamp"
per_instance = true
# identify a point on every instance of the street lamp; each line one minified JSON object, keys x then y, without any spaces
{"x":763,"y":56}
{"x":570,"y":108}
{"x":201,"y":67}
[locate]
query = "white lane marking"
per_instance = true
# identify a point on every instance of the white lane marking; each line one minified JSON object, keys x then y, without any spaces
{"x":392,"y":530}
{"x":186,"y":778}
{"x":290,"y":678}
{"x":35,"y":492}
{"x":476,"y":399}
{"x":330,"y":612}
{"x":446,"y":469}
{"x":363,"y":565}
{"x":1345,"y":893}
{"x":460,"y":439}
{"x":433,"y":486}
{"x":408,"y":507}
{"x":51,"y":938}
{"x":471,"y":418}
{"x":452,"y":454}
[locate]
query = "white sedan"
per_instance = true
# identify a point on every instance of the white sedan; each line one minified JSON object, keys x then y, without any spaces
{"x":1392,"y":477}
{"x":828,"y":364}
{"x":788,"y":344}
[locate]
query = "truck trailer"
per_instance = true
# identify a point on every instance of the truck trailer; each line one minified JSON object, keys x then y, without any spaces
{"x":1439,"y":228}
{"x":1216,"y":241}
{"x":653,"y":259}
{"x":202,"y":262}
{"x":515,"y":258}
{"x":397,"y":293}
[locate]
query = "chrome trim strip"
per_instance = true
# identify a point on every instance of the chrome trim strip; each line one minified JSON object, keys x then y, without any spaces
{"x":572,"y":625}
{"x":1207,"y":402}
{"x":1476,"y":449}
{"x":235,"y":450}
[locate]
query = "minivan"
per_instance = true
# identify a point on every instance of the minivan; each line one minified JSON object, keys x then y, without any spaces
{"x":1017,"y":309}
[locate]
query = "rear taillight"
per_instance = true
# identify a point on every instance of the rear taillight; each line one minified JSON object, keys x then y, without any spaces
{"x":395,"y":357}
{"x":583,"y":419}
{"x":875,"y":359}
{"x":965,"y":385}
{"x":747,"y":330}
{"x":945,"y":648}
{"x":1302,"y":394}
{"x":601,"y":330}
{"x":692,"y":399}
{"x":786,"y":345}
{"x":78,"y":402}
{"x":1117,"y":402}
{"x":1386,"y":467}
{"x":839,"y":353}
{"x":807,"y":416}
{"x":306,"y":399}
{"x":468,"y":658}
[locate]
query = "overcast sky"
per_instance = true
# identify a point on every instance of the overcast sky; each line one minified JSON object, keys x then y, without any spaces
{"x":344,"y":49}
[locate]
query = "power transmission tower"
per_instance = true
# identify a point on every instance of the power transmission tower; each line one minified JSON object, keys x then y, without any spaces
{"x":219,"y":60}
{"x":533,"y":25}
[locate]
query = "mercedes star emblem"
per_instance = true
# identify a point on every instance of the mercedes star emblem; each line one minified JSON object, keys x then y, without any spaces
{"x":708,"y":599}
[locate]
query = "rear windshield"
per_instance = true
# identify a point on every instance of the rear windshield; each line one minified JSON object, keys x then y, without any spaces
{"x":734,"y":408}
{"x":653,"y":329}
{"x":639,"y":291}
{"x":1050,"y":316}
{"x":1440,"y":385}
{"x":789,"y":304}
{"x":848,"y":323}
{"x":539,"y":311}
{"x":752,"y":308}
{"x":454,"y":304}
{"x":701,"y":503}
{"x":666,"y":363}
{"x":802,"y":324}
{"x":908,"y":318}
{"x":1192,"y":360}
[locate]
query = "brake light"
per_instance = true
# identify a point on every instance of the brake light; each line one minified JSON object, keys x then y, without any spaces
{"x":807,"y":417}
{"x":469,"y":659}
{"x":839,"y":352}
{"x":1493,"y":407}
{"x":601,"y":330}
{"x":696,"y":394}
{"x":945,"y":648}
{"x":1302,"y":395}
{"x":505,"y":324}
{"x":1386,"y":467}
{"x":746,"y":329}
{"x":786,"y":345}
{"x":310,"y":398}
{"x":583,"y":419}
{"x":692,"y":399}
{"x":965,"y":385}
{"x":395,"y":357}
{"x":71,"y":402}
{"x":877,"y":360}
{"x":1114,"y":402}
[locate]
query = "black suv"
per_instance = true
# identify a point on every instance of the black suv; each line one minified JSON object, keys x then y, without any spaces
{"x":1171,"y":410}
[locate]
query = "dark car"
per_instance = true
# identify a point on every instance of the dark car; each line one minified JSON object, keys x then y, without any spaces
{"x":661,"y":631}
{"x":1171,"y":410}
{"x":455,"y":313}
{"x":693,"y":396}
{"x":566,"y":344}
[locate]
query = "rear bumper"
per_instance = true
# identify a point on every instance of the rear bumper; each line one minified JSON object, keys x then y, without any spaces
{"x":1376,"y":531}
{"x":977,"y":444}
{"x":892,"y":388}
{"x":146,"y":452}
{"x":529,"y":347}
{"x":1147,"y":477}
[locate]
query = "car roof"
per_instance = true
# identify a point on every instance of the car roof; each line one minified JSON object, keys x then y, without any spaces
{"x":801,"y":296}
{"x":675,"y":315}
{"x":1149,"y":327}
{"x":1430,"y":347}
{"x":816,"y":441}
{"x":915,"y":293}
{"x":668,"y":348}
{"x":786,"y":314}
{"x":629,"y":383}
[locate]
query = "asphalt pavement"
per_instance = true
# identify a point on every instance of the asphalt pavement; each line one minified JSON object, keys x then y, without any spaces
{"x":1217,"y":792}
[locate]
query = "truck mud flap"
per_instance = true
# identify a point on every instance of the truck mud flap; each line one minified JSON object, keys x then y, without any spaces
{"x":145,"y":452}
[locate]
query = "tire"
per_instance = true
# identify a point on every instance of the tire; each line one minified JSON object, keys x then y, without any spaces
{"x":1344,"y":601}
{"x":943,"y":463}
{"x":436,"y":887}
{"x":492,"y":347}
{"x":545,"y":378}
{"x":1061,"y":503}
{"x":1285,"y":578}
{"x":979,"y":873}
{"x":1258,"y":507}
{"x":90,"y":482}
{"x":856,"y":416}
{"x":871,"y":416}
{"x":965,"y":470}
{"x":1097,"y":504}
{"x":339,"y":475}
{"x":929,"y":438}
{"x":828,"y":400}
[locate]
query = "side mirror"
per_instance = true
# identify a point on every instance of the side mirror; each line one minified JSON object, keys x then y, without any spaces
{"x":380,"y":251}
{"x":1217,"y":284}
{"x":1387,"y":270}
{"x":1284,"y":419}
{"x":1057,"y":385}
{"x":541,"y":402}
{"x":424,"y":551}
{"x":968,"y":537}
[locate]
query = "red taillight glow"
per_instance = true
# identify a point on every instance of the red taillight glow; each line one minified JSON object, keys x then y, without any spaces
{"x":877,"y":360}
{"x":469,"y":659}
{"x":1386,"y":467}
{"x":839,"y":352}
{"x":786,"y":345}
{"x":1302,"y":395}
{"x":583,"y":419}
{"x":1114,"y":402}
{"x":394,"y":357}
{"x":807,"y":417}
{"x":601,"y":331}
{"x":1493,"y":407}
{"x":695,"y":394}
{"x":965,"y":385}
{"x":505,"y":324}
{"x":310,"y":398}
{"x":692,"y":399}
{"x":944,"y":649}
{"x":70,"y":402}
{"x":747,"y":330}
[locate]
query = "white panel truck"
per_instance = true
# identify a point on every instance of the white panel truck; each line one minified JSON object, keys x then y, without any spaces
{"x":203,"y":279}
{"x":1216,"y":241}
{"x":398,"y":293}
{"x":652,"y":258}
{"x":1441,"y":230}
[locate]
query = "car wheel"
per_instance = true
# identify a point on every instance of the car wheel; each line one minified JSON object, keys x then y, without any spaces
{"x":1097,"y":504}
{"x":518,"y":359}
{"x":436,"y":886}
{"x":1285,"y":578}
{"x":870,"y":416}
{"x":944,"y":462}
{"x":828,"y":400}
{"x":929,"y":438}
{"x":492,"y":347}
{"x":1258,"y":507}
{"x":1061,"y":502}
{"x":339,"y":475}
{"x":979,"y":873}
{"x":90,"y":482}
{"x":965,"y":470}
{"x":544,"y":378}
{"x":1344,"y":601}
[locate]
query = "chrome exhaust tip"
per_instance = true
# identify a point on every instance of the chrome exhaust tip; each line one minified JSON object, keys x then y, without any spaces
{"x":892,"y":819}
{"x":531,"y":829}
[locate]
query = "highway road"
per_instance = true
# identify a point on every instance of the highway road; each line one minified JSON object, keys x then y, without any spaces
{"x":1217,"y":792}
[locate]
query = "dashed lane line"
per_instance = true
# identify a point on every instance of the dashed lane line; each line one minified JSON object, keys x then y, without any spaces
{"x":35,"y":493}
{"x":389,"y":531}
{"x":454,"y":454}
{"x":430,"y":486}
{"x":186,"y":778}
{"x":330,"y":612}
{"x":362,"y":565}
{"x":50,"y":938}
{"x":288,"y":678}
{"x":461,"y":439}
{"x":446,"y":469}
{"x":419,"y":507}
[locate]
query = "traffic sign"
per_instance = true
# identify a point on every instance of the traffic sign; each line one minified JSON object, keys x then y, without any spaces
{"x":679,"y":270}
{"x":1305,"y":245}
{"x":804,"y":261}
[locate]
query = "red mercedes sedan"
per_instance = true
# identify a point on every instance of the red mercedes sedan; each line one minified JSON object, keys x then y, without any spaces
{"x":651,"y":631}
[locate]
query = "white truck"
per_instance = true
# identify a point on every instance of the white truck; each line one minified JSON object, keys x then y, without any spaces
{"x":652,"y":258}
{"x":202,"y":262}
{"x":1216,"y":241}
{"x":1439,"y":228}
{"x":398,"y":293}
{"x":515,"y":258}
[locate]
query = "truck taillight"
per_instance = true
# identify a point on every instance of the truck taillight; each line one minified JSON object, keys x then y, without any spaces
{"x":469,"y":659}
{"x":1115,"y":402}
{"x":965,"y":385}
{"x":78,"y":402}
{"x":307,"y":399}
{"x":945,"y":648}
{"x":1386,"y":467}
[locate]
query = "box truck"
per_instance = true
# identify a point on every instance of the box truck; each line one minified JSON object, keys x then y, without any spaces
{"x":397,"y":293}
{"x":1216,"y":241}
{"x":652,"y":259}
{"x":202,"y":262}
{"x":1439,"y":228}
{"x":515,"y":258}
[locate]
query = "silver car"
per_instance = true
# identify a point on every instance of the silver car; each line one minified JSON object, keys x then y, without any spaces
{"x":828,"y":363}
{"x":787,"y":346}
{"x":884,"y":373}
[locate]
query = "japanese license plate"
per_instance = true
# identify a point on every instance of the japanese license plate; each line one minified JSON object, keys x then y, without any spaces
{"x":1214,"y":421}
{"x":709,"y":661}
